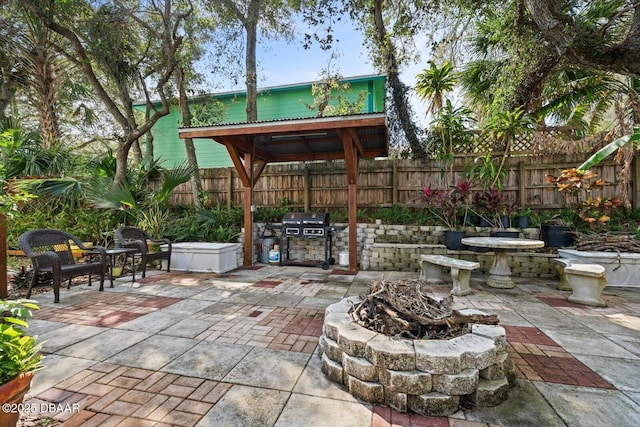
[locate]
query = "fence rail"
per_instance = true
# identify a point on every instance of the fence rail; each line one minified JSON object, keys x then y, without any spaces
{"x":317,"y":186}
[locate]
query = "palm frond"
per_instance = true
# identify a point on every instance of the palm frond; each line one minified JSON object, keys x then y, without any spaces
{"x":180,"y":174}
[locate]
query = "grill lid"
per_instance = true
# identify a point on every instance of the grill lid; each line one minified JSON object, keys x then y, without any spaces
{"x":306,"y":219}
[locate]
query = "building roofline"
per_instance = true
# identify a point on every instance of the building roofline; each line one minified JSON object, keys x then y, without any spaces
{"x":277,"y":88}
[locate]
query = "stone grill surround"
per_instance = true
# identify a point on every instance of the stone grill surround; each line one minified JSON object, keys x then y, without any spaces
{"x":429,"y":377}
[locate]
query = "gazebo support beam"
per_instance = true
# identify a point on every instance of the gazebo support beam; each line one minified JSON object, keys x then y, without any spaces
{"x":350,"y":144}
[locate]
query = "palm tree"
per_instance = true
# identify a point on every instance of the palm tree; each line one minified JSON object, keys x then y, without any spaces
{"x":450,"y":130}
{"x":42,"y":71}
{"x":434,"y":83}
{"x":503,"y":128}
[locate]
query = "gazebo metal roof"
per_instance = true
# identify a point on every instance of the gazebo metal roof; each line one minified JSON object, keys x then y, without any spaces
{"x":301,"y":139}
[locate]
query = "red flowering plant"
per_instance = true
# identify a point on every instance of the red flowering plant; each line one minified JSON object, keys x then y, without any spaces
{"x":450,"y":206}
{"x":491,"y":206}
{"x":578,"y":186}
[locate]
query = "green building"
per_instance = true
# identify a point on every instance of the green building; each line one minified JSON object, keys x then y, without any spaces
{"x":277,"y":102}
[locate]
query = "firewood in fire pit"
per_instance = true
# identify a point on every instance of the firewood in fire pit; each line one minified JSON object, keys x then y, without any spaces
{"x":405,"y":308}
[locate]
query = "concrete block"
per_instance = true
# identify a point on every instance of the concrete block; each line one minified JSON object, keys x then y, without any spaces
{"x":414,"y":382}
{"x":359,"y":367}
{"x":330,"y":348}
{"x":495,"y":333}
{"x":433,"y":404}
{"x":456,"y":384}
{"x":353,"y":339}
{"x":332,"y":324}
{"x":331,"y":369}
{"x":371,"y":392}
{"x":491,"y":393}
{"x":397,"y":401}
{"x":438,"y":357}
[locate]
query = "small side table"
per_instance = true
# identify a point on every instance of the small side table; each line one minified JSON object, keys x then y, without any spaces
{"x":112,"y":255}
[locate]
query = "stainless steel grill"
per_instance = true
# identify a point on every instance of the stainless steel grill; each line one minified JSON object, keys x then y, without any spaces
{"x":306,"y":225}
{"x":300,"y":224}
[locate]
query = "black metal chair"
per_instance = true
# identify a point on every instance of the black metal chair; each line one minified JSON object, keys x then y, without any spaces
{"x":50,"y":252}
{"x":132,"y":237}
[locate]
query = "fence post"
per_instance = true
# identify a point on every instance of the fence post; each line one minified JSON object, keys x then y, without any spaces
{"x":306,"y":188}
{"x":635,"y":183}
{"x":3,"y":256}
{"x":229,"y":187}
{"x":394,"y":182}
{"x":522,"y":197}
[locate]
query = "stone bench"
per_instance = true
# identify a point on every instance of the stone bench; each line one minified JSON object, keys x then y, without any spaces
{"x":585,"y":279}
{"x":432,"y":266}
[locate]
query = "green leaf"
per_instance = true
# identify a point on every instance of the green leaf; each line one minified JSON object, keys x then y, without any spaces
{"x":608,"y":149}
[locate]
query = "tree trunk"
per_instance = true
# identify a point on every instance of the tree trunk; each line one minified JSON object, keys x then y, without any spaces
{"x":122,"y":151}
{"x":588,"y":48}
{"x":398,"y":89}
{"x":7,"y":87}
{"x":47,"y":112}
{"x":529,"y":89}
{"x":251,"y":27}
{"x":196,"y":184}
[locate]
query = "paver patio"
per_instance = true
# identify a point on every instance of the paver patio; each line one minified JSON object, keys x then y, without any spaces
{"x":240,"y":348}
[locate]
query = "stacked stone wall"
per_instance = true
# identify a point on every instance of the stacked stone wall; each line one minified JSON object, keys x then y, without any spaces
{"x":429,"y":377}
{"x":398,"y":248}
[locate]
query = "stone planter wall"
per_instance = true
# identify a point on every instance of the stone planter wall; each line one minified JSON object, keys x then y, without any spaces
{"x":428,"y":377}
{"x":398,"y":248}
{"x":621,"y":269}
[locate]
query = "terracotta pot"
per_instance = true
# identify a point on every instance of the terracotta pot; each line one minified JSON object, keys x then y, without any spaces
{"x":13,"y":393}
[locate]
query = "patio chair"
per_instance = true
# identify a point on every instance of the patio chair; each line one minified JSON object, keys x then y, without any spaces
{"x":132,"y":237}
{"x":50,"y":252}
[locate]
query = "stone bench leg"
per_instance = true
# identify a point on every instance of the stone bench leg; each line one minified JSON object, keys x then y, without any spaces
{"x":586,"y":289}
{"x":431,"y":273}
{"x":460,"y":281}
{"x":563,"y":285}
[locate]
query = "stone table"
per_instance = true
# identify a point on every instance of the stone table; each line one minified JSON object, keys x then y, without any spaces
{"x":500,"y":272}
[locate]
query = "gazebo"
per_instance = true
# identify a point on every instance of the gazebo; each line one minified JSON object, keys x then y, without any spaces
{"x":252,"y":146}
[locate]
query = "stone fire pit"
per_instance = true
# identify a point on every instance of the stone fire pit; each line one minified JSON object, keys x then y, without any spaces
{"x":429,"y":377}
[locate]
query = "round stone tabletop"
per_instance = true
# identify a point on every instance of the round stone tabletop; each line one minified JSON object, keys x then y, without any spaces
{"x":502,"y":242}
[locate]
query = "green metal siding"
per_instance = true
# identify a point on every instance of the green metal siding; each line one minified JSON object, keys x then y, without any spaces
{"x":282,"y":102}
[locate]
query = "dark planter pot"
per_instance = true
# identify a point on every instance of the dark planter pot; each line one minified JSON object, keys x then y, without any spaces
{"x":503,"y":233}
{"x":557,"y":236}
{"x":505,"y":221}
{"x":452,"y":240}
{"x":522,"y":222}
{"x":482,"y":222}
{"x":478,"y":249}
{"x":13,"y":393}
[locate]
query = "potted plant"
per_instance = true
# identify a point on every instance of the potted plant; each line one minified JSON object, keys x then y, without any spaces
{"x":451,"y":207}
{"x":493,"y":210}
{"x":522,"y":217}
{"x":578,"y":186}
{"x":19,"y":357}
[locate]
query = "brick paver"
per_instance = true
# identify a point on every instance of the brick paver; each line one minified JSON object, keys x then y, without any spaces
{"x":131,"y":395}
{"x":105,"y":309}
{"x":108,"y":394}
{"x":538,"y":358}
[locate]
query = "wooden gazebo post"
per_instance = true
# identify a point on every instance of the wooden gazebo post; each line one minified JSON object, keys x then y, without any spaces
{"x":352,"y":152}
{"x":248,"y":175}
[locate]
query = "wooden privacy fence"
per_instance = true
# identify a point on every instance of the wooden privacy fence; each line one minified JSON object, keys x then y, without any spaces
{"x":322,"y":185}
